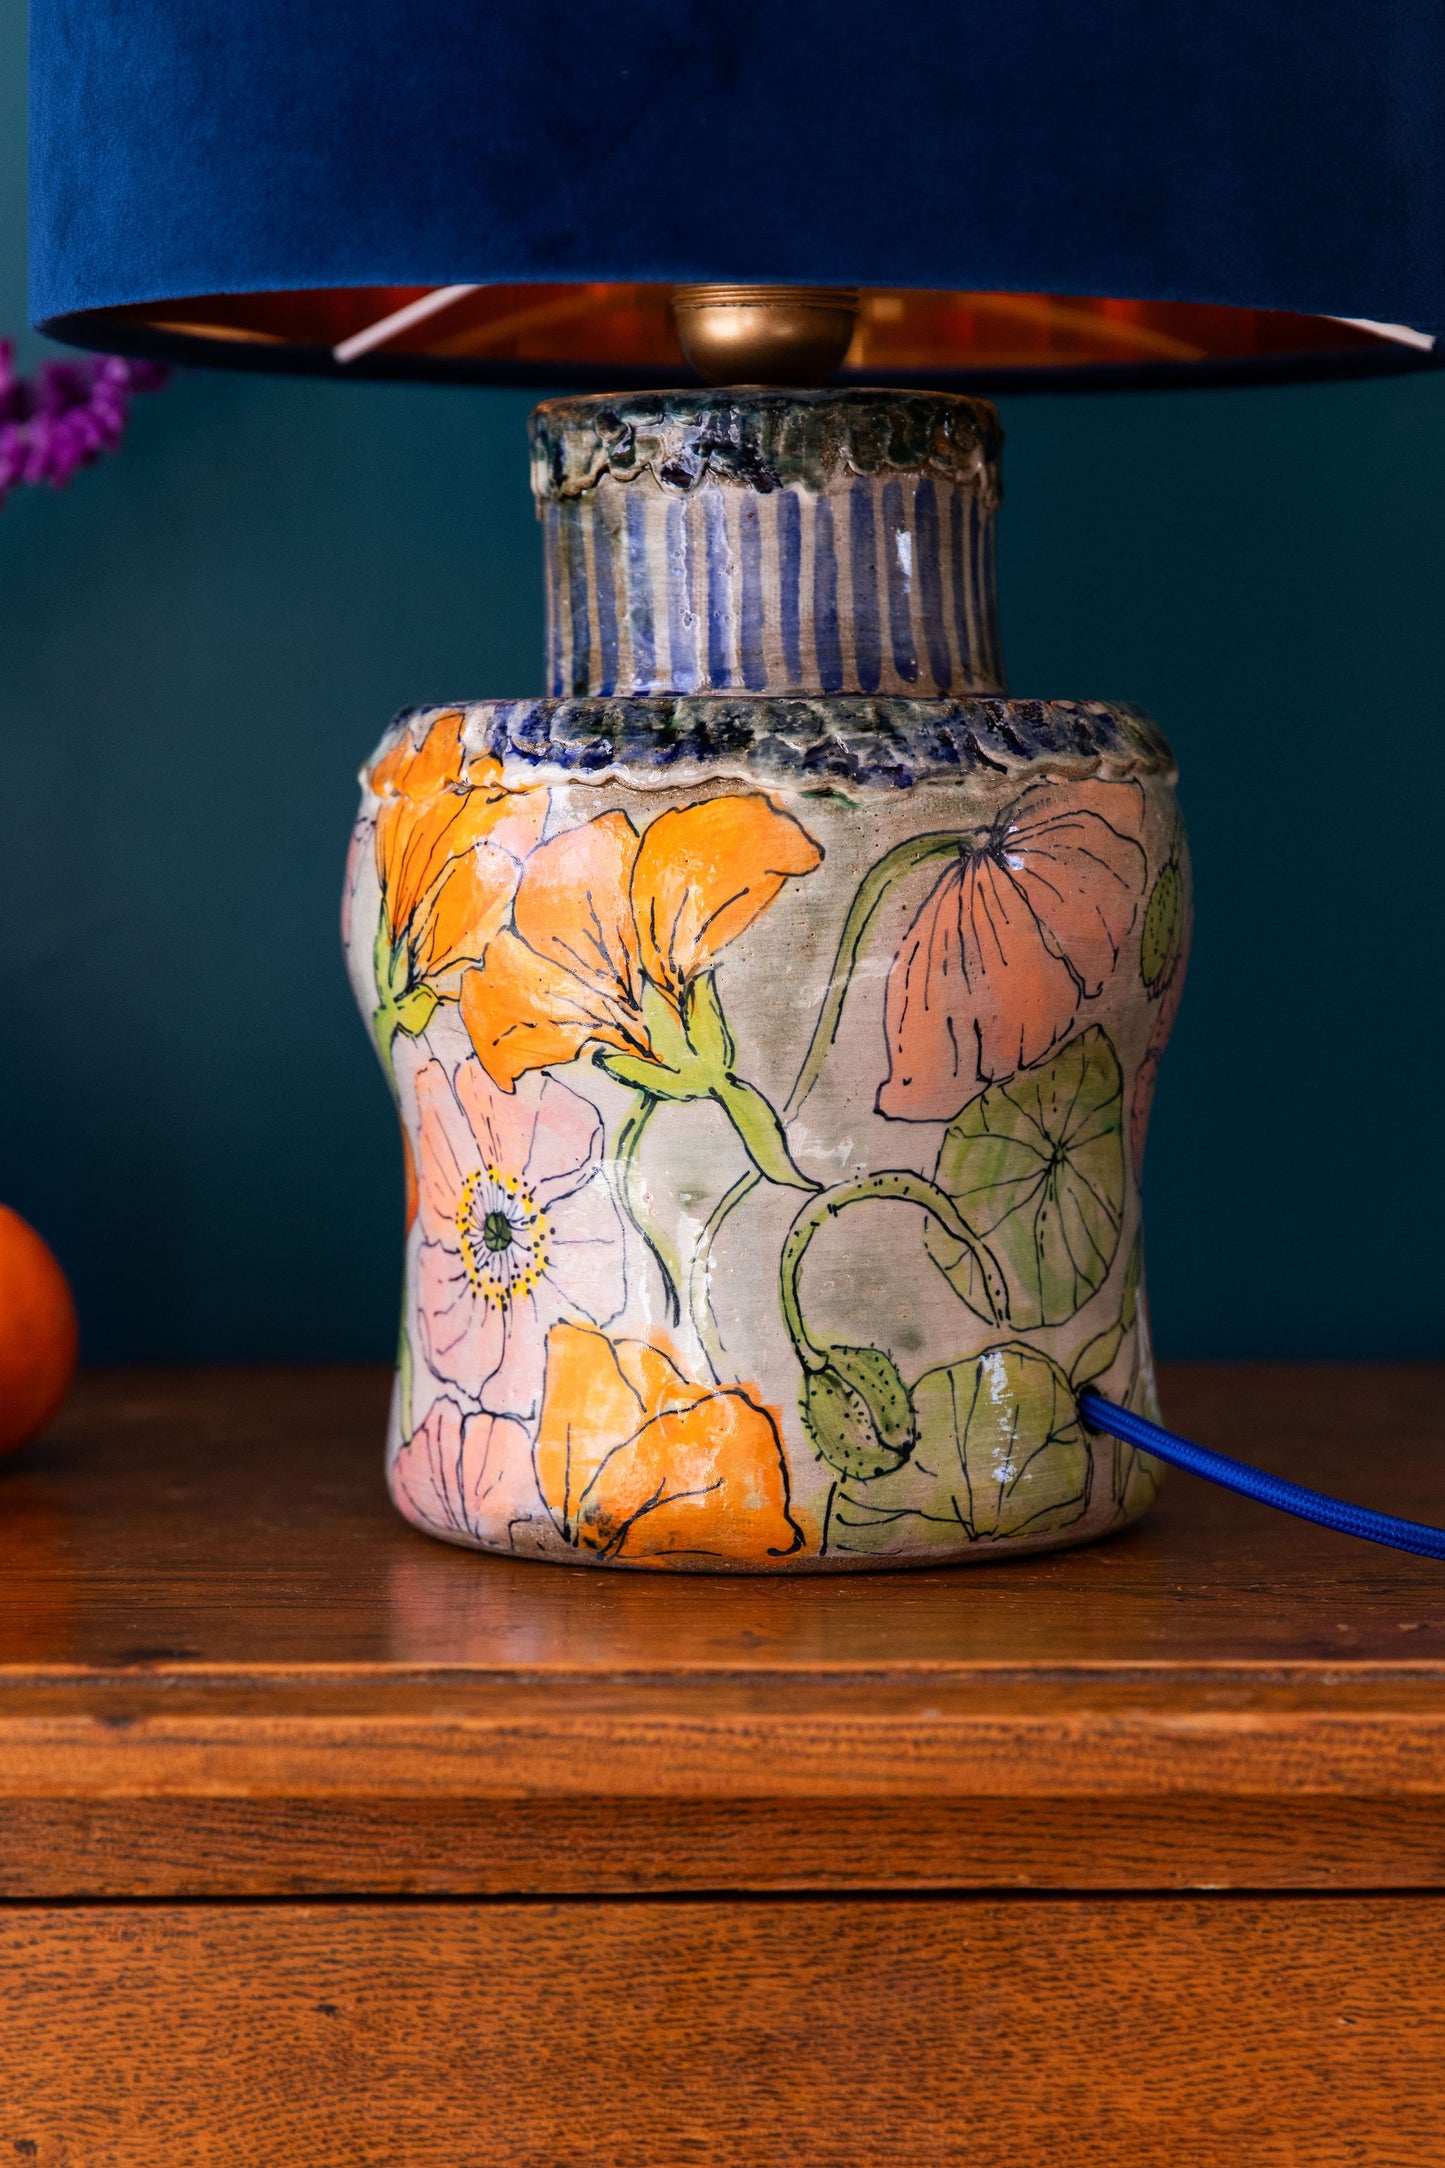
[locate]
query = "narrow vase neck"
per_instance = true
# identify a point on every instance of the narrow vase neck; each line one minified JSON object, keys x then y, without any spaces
{"x":769,"y":542}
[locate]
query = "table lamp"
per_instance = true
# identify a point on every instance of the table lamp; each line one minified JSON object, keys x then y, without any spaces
{"x":773,"y":1007}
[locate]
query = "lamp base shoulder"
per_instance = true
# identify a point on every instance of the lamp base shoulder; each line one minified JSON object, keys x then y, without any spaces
{"x":850,"y":742}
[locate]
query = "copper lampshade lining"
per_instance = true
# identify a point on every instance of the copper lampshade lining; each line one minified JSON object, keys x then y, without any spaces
{"x":624,"y":334}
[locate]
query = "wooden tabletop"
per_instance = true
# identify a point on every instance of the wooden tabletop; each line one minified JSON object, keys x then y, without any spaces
{"x":225,"y":1664}
{"x":320,"y":1841}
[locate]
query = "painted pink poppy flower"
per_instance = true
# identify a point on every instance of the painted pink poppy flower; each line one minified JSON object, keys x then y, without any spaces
{"x":519,"y":1230}
{"x":465,"y":1475}
{"x":1017,"y":933}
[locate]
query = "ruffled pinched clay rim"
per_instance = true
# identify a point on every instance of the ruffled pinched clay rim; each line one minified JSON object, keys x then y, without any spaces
{"x":763,"y":440}
{"x":846,"y":743}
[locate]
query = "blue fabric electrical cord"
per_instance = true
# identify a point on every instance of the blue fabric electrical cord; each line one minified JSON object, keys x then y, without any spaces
{"x":1272,"y":1490}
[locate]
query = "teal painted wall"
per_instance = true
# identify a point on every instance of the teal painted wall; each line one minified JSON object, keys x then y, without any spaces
{"x":201,"y":640}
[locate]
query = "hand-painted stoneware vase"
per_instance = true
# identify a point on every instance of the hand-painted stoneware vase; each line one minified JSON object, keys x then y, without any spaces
{"x":773,"y":1012}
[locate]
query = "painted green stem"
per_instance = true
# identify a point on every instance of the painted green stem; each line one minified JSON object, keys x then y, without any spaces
{"x":765,"y":1141}
{"x":869,"y":898}
{"x":384,"y":1021}
{"x":383,"y":1030}
{"x":699,"y":1294}
{"x":629,"y":1182}
{"x":891,"y":1187}
{"x":871,"y":894}
{"x":400,"y":1006}
{"x":760,"y":1132}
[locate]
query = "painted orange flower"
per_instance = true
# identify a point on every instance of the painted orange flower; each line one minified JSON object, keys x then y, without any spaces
{"x":635,"y":1462}
{"x":449,"y":843}
{"x":1015,"y":936}
{"x":610,"y":930}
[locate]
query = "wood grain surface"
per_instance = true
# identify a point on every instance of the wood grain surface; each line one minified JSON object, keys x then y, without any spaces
{"x":1173,"y":2033}
{"x":225,"y":1847}
{"x":228,"y":1671}
{"x":226,"y":1667}
{"x":239,"y":1518}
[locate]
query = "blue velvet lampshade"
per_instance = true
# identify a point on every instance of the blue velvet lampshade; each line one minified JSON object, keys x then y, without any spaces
{"x":1125,"y":190}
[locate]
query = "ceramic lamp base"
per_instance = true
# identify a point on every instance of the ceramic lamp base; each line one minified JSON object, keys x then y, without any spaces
{"x":774,"y":1073}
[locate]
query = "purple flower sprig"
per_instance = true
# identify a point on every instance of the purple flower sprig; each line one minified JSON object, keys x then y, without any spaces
{"x":65,"y":416}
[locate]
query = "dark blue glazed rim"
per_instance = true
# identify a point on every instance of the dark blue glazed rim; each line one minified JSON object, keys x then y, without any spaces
{"x":890,"y":744}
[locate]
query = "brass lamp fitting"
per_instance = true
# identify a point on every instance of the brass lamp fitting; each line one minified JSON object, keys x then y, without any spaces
{"x":789,"y":335}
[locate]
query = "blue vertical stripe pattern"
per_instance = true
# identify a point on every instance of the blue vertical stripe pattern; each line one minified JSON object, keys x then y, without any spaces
{"x":574,"y":552}
{"x":825,"y":600}
{"x":976,"y":586}
{"x":790,"y":584}
{"x":881,"y":585}
{"x":681,"y":616}
{"x":863,"y":565}
{"x":719,"y":589}
{"x":551,"y":516}
{"x":988,"y":600}
{"x":604,"y":590}
{"x":752,"y":659}
{"x":898,"y":547}
{"x":930,"y":582}
{"x":958,"y":571}
{"x":638,"y":615}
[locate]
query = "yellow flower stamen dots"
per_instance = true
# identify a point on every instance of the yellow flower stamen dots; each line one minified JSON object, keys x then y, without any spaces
{"x":502,"y":1232}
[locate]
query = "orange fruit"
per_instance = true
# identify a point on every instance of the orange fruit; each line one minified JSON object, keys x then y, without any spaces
{"x":39,"y":1336}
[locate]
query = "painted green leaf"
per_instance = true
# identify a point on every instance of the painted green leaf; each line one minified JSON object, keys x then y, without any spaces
{"x":1133,"y":1476}
{"x":1102,"y":1352}
{"x":857,"y":1411}
{"x":415,"y":1010}
{"x":706,"y":1027}
{"x":1136,"y":1475}
{"x":1000,"y":1452}
{"x":1132,"y":1271}
{"x":1098,"y":1358}
{"x":1036,"y":1168}
{"x":1162,"y":937}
